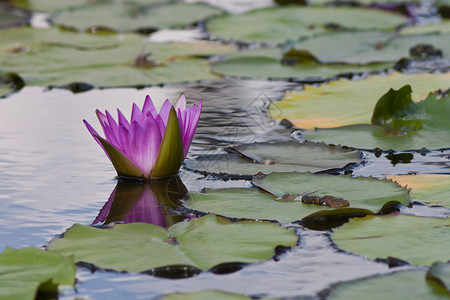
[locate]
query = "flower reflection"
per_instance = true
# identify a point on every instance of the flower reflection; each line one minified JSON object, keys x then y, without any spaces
{"x":148,"y":202}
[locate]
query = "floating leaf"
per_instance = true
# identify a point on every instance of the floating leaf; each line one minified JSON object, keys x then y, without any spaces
{"x":328,"y":105}
{"x":439,"y":272}
{"x":430,"y":189}
{"x":289,"y":188}
{"x":205,"y":295}
{"x":399,"y":285}
{"x":101,"y":60}
{"x":406,"y":125}
{"x":328,"y":219}
{"x":203,"y":243}
{"x":443,"y":27}
{"x":24,"y":272}
{"x":394,"y":109}
{"x":266,"y":63}
{"x":359,"y":48}
{"x":250,"y":159}
{"x":52,"y":6}
{"x":278,"y":24}
{"x":419,"y":241}
{"x":128,"y":17}
{"x":362,"y":192}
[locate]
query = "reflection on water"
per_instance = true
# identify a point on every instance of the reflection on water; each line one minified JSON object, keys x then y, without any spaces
{"x":52,"y":175}
{"x":141,"y":201}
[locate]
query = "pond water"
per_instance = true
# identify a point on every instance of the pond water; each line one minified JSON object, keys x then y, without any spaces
{"x":54,"y":175}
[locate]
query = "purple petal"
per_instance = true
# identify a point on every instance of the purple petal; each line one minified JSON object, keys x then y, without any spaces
{"x":164,"y":112}
{"x":151,"y":144}
{"x":181,"y":103}
{"x":149,"y":107}
{"x":192,"y":122}
{"x":136,"y":115}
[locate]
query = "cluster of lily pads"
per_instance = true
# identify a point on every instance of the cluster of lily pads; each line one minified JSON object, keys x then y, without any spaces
{"x":374,"y":82}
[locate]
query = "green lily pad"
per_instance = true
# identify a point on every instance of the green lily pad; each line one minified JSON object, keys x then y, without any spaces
{"x":439,"y":272}
{"x":202,"y":243}
{"x":250,"y":159}
{"x":419,"y":241}
{"x":285,"y":205}
{"x":266,"y":63}
{"x":399,"y":285}
{"x":369,"y":137}
{"x":363,"y":47}
{"x":278,"y":24}
{"x":328,"y":105}
{"x":205,"y":295}
{"x":52,"y":57}
{"x":402,"y":125}
{"x":53,"y":6}
{"x":130,"y":17}
{"x":442,"y":27}
{"x":430,"y":189}
{"x":12,"y":18}
{"x":24,"y":272}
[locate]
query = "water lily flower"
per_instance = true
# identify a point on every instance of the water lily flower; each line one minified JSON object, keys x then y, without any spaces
{"x":152,"y":144}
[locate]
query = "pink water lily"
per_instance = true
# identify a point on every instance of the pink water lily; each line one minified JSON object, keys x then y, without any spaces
{"x":152,"y":144}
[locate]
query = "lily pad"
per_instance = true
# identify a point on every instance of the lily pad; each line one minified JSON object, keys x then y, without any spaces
{"x":53,"y":6}
{"x":285,"y":205}
{"x":442,"y":27}
{"x":205,"y":295}
{"x":363,"y":47}
{"x":401,"y":124}
{"x":130,"y":17}
{"x":430,"y":189}
{"x":25,"y":272}
{"x":439,"y":272}
{"x":250,"y":159}
{"x":328,"y":105}
{"x":399,"y":285}
{"x":202,"y":243}
{"x":370,"y":137}
{"x":419,"y":241}
{"x":102,"y":60}
{"x":278,"y":24}
{"x":266,"y":63}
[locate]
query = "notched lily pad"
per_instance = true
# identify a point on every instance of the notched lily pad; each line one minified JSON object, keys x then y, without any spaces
{"x":419,"y":241}
{"x":328,"y":219}
{"x":124,"y":17}
{"x":26,"y":272}
{"x":399,"y":285}
{"x":58,"y":58}
{"x":327,"y":105}
{"x":399,"y":123}
{"x":284,"y":202}
{"x":355,"y":47}
{"x":250,"y":159}
{"x":184,"y":244}
{"x":205,"y":295}
{"x":278,"y":24}
{"x":429,"y":189}
{"x":268,"y":63}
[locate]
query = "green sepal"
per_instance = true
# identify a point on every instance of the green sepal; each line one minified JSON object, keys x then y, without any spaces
{"x":123,"y":165}
{"x":170,"y":156}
